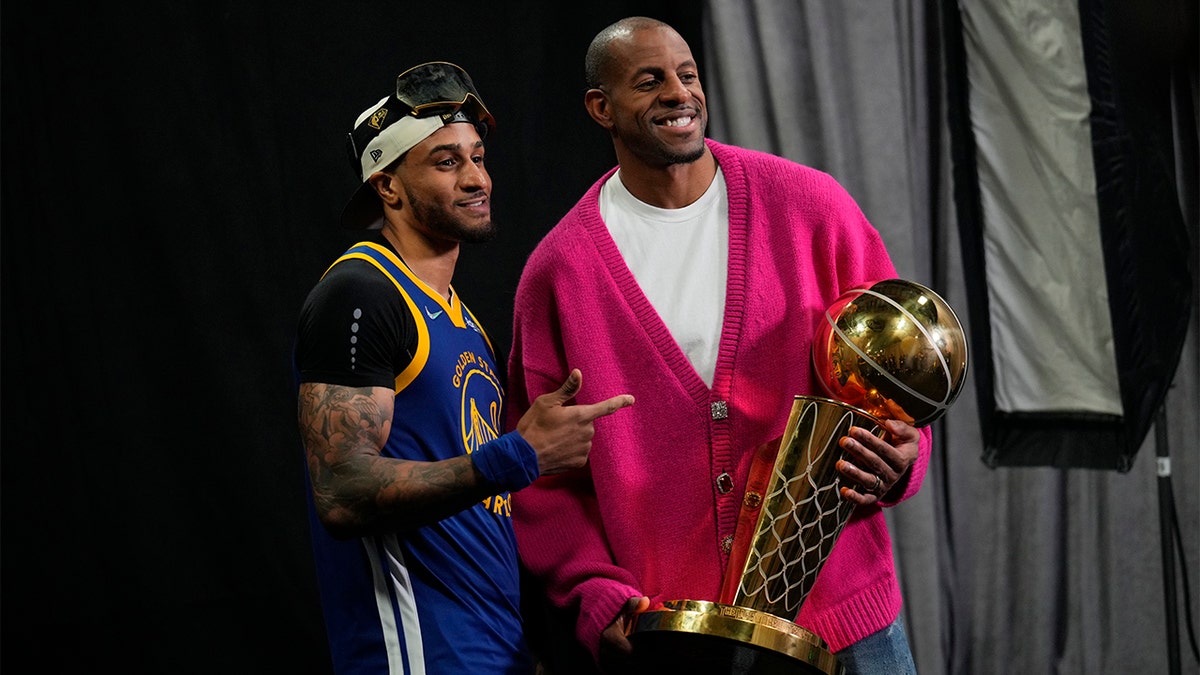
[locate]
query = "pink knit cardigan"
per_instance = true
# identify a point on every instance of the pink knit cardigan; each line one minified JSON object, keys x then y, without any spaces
{"x":645,"y":517}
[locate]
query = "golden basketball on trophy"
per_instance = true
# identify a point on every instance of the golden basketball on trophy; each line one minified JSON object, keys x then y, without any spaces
{"x":893,"y":348}
{"x":890,"y":349}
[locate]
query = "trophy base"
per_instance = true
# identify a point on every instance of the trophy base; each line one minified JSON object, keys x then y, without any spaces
{"x":697,"y":637}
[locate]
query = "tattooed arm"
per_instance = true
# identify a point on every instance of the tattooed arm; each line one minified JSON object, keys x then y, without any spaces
{"x":356,"y":491}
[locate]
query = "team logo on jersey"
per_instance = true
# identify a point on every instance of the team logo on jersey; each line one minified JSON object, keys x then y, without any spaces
{"x":482,"y":400}
{"x":482,"y":413}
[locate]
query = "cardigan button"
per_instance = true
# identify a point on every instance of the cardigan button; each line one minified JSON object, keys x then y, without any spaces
{"x":724,"y":483}
{"x":727,"y":543}
{"x":719,"y":410}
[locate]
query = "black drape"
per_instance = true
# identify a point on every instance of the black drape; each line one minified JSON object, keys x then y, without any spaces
{"x":172,"y":177}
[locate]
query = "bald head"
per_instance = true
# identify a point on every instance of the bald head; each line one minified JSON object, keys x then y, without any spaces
{"x":597,"y":65}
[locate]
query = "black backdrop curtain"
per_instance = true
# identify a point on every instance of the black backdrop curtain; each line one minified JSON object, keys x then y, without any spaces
{"x":172,"y":178}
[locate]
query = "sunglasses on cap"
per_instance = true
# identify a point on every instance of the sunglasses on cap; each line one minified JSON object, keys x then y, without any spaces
{"x":437,"y":88}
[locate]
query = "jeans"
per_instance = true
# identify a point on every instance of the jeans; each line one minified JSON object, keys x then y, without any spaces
{"x":883,"y":653}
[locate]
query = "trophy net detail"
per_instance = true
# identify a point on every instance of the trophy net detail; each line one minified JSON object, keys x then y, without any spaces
{"x":803,"y":512}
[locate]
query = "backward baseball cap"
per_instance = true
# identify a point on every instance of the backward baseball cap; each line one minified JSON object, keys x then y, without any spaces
{"x":427,"y":97}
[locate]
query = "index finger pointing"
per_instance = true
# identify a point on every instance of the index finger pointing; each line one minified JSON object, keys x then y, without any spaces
{"x":607,"y":407}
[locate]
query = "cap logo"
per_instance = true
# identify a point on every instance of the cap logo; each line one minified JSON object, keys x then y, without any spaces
{"x":375,"y":154}
{"x":378,"y":118}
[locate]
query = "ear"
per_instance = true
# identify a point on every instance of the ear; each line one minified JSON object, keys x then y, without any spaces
{"x":387,"y":187}
{"x":596,"y":103}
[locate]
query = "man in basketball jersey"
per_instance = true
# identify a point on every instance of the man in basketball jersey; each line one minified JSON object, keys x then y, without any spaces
{"x":401,"y":406}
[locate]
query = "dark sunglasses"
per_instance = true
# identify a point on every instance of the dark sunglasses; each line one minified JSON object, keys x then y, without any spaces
{"x":434,"y":88}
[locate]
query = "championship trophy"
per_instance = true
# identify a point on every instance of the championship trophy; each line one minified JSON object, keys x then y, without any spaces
{"x":890,"y":349}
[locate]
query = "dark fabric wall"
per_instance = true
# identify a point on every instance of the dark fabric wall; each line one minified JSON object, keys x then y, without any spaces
{"x":172,"y":176}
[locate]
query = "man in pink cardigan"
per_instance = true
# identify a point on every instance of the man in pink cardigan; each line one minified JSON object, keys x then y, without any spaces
{"x":693,"y":276}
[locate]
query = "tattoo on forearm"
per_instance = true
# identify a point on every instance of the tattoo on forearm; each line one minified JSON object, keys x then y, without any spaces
{"x":343,"y":429}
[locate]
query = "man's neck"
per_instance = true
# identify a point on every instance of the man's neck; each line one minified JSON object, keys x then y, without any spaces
{"x":669,"y":187}
{"x":431,"y":262}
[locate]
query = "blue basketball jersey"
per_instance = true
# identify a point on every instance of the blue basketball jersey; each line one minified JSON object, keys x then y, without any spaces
{"x":444,"y":598}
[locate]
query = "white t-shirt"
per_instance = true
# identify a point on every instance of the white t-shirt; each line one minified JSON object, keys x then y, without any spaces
{"x":679,"y":258}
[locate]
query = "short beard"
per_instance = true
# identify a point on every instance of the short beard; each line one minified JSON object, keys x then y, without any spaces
{"x":438,"y":221}
{"x":684,"y":157}
{"x":652,"y":150}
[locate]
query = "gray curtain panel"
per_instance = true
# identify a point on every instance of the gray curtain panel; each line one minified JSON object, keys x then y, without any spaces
{"x":1030,"y":569}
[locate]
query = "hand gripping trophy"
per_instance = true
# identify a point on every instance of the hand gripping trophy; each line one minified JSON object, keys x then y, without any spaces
{"x":890,"y":349}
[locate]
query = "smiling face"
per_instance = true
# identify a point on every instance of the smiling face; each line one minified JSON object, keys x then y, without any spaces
{"x":447,"y":189}
{"x":651,"y":99}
